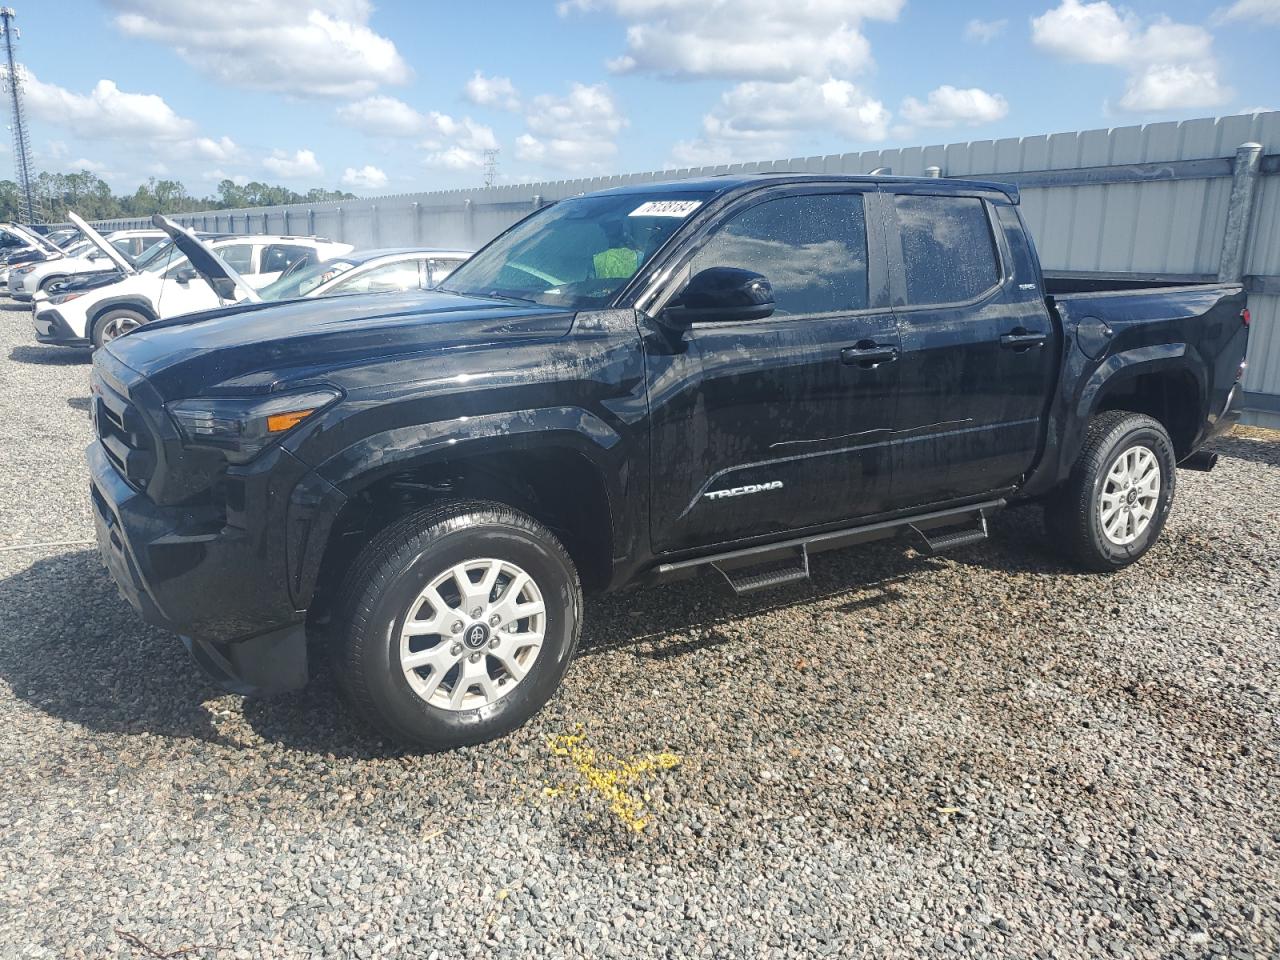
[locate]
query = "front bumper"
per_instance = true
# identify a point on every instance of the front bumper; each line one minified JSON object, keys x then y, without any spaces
{"x":20,"y":293}
{"x":221,"y":587}
{"x":52,"y":328}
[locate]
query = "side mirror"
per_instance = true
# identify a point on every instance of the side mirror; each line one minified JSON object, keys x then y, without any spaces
{"x":718,"y":295}
{"x":185,"y":276}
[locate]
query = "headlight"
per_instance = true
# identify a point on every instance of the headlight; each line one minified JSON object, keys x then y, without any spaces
{"x":64,"y":297}
{"x":242,"y":427}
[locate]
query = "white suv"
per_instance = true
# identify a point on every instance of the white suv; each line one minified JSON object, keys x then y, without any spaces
{"x":29,"y":279}
{"x":90,"y":312}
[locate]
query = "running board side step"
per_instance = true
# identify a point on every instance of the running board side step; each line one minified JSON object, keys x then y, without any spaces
{"x":786,"y":561}
{"x":787,"y":570}
{"x":949,"y":538}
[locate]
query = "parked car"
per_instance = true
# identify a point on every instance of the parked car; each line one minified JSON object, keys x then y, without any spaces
{"x":89,"y":313}
{"x":725,"y":374}
{"x":19,"y":245}
{"x":367,"y":271}
{"x":28,"y":280}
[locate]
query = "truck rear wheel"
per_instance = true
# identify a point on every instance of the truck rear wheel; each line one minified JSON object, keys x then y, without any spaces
{"x":1115,"y":503}
{"x":457,"y":624}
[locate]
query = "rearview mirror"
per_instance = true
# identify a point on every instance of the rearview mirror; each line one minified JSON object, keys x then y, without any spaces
{"x":718,"y":295}
{"x":185,"y":275}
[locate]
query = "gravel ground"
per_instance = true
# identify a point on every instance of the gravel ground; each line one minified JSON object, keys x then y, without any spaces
{"x":986,"y":754}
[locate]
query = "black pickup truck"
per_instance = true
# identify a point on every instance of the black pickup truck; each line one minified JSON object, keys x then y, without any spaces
{"x":728,"y":373}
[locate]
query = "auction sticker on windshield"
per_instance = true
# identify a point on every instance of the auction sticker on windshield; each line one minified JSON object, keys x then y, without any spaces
{"x":666,"y":208}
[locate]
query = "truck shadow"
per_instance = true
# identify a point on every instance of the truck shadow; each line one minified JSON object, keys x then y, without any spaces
{"x":72,"y":648}
{"x":51,"y":356}
{"x":1253,"y":451}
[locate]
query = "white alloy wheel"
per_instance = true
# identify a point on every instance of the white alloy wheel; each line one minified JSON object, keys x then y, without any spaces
{"x":1130,"y":495}
{"x":472,"y":635}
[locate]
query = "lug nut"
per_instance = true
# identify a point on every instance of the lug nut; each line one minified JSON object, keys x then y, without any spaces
{"x":476,"y":613}
{"x":493,"y":621}
{"x":494,"y":642}
{"x":475,"y":658}
{"x":457,"y":627}
{"x":455,"y":649}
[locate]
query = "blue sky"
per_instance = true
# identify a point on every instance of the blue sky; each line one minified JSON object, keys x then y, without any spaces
{"x":401,"y":96}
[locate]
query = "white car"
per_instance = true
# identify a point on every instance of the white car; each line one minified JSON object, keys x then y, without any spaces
{"x":367,"y":271}
{"x":25,"y":246}
{"x":31,"y":278}
{"x":90,"y":312}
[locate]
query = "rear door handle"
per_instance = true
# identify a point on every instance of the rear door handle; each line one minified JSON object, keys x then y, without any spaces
{"x":869,"y":354}
{"x":1021,"y":339}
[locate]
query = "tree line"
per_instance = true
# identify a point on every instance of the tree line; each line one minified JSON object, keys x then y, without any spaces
{"x":90,"y":196}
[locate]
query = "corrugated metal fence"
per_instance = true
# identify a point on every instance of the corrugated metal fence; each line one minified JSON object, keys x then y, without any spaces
{"x":1174,"y":200}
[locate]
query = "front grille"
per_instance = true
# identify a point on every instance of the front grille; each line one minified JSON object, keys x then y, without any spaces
{"x":123,"y":432}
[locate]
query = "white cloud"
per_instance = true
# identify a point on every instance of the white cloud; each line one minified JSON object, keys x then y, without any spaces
{"x":93,"y":166}
{"x":450,"y":143}
{"x":302,"y":163}
{"x":984,"y":31}
{"x":575,"y":133}
{"x":455,"y":158}
{"x":221,"y":150}
{"x":756,"y":119}
{"x":1174,"y":87}
{"x":383,"y":116}
{"x":218,"y":175}
{"x":104,"y":113}
{"x":314,"y":48}
{"x":367,"y":177}
{"x":743,"y":39}
{"x":1171,"y":65}
{"x":1251,"y":11}
{"x":497,"y":92}
{"x":949,"y":107}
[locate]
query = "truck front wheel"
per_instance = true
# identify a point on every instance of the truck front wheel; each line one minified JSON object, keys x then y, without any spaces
{"x":1115,"y":503}
{"x":457,"y":624}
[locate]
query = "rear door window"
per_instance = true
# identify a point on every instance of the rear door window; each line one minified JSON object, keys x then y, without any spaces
{"x":237,"y":256}
{"x":948,"y":251}
{"x":279,"y":257}
{"x":812,"y":248}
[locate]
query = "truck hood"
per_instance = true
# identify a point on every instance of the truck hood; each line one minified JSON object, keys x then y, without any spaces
{"x":221,"y":277}
{"x":99,"y":241}
{"x":260,"y":347}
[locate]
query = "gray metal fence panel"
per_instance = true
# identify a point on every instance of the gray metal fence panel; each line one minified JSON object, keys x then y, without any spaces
{"x":1148,"y":199}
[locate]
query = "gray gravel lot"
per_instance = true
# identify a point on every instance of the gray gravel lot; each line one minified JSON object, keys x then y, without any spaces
{"x":986,"y":754}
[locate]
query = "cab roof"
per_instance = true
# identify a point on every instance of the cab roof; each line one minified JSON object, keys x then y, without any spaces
{"x":726,"y":183}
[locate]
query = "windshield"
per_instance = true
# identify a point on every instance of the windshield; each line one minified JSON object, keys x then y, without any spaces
{"x":298,"y":283}
{"x":153,"y":253}
{"x":577,"y":253}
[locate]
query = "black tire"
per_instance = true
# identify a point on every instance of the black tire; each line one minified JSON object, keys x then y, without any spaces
{"x":1073,"y":515}
{"x":49,"y":282}
{"x":102,"y":323}
{"x":375,"y":600}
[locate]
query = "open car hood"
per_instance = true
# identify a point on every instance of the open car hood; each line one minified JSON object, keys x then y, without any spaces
{"x":36,"y":240}
{"x":205,"y":262}
{"x":99,"y":241}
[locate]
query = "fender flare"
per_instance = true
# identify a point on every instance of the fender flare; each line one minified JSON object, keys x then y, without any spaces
{"x":1129,"y":364}
{"x":1156,"y":358}
{"x":318,"y":499}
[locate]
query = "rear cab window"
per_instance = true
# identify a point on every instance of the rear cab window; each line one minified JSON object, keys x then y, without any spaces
{"x":949,"y":253}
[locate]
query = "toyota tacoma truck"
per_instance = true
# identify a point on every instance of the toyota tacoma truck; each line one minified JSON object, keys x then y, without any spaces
{"x":726,"y":374}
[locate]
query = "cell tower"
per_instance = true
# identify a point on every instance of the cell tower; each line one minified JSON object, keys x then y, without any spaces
{"x":490,"y":167}
{"x":21,"y":139}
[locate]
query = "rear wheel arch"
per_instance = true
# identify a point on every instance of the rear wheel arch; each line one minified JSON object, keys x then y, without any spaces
{"x":1170,"y":392}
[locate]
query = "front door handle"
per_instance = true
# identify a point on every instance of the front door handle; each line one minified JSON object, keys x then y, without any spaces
{"x":868,"y":354}
{"x":1022,"y":339}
